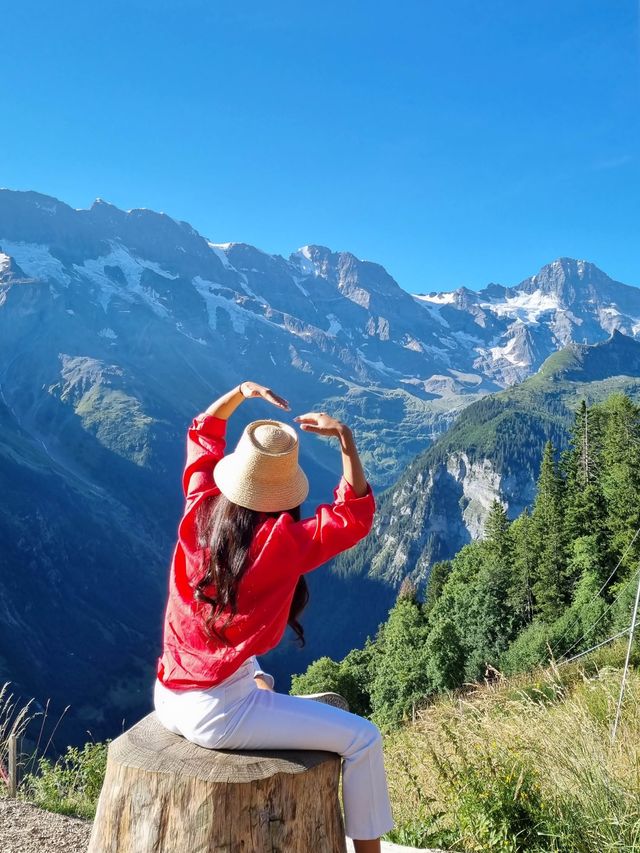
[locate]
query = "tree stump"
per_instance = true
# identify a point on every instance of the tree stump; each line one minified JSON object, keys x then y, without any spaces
{"x":164,"y":794}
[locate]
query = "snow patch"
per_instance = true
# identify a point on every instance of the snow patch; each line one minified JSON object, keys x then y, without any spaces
{"x":378,"y":365}
{"x":302,"y":289}
{"x":527,"y":307}
{"x":48,"y":208}
{"x":132,"y":269}
{"x":5,"y":261}
{"x":466,"y":338}
{"x":437,"y":353}
{"x":507,"y":352}
{"x":335,"y":325}
{"x":437,"y":298}
{"x":302,"y":259}
{"x":238,"y":315}
{"x":191,"y":337}
{"x":37,"y":261}
{"x":213,"y":301}
{"x":433,"y":308}
{"x":107,"y":333}
{"x":219,"y":251}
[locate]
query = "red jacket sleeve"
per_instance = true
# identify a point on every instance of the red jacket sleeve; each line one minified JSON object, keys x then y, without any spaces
{"x":334,"y":528}
{"x":205,"y":447}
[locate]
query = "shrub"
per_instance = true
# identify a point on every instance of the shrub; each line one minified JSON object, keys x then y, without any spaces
{"x":71,"y":785}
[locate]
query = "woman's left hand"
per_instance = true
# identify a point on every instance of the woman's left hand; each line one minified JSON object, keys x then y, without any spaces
{"x":252,"y":389}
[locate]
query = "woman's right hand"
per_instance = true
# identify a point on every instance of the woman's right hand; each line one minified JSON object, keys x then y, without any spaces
{"x":324,"y":424}
{"x":321,"y":423}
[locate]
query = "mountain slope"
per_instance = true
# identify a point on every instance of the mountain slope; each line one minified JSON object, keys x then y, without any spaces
{"x":493,"y":451}
{"x":117,"y":327}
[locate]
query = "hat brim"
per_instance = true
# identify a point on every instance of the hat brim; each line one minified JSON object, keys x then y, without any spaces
{"x":253,"y":494}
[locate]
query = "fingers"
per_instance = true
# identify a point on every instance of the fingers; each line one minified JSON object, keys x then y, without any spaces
{"x":313,"y":422}
{"x":310,"y":417}
{"x":277,"y":400}
{"x":280,"y":402}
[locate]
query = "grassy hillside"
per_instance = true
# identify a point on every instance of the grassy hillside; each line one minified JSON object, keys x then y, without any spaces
{"x":507,"y":424}
{"x":523,"y":764}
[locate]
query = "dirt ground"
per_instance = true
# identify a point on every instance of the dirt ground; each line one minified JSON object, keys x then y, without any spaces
{"x":24,"y":828}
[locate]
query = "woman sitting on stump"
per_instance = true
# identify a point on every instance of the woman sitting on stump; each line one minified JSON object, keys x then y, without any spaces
{"x":237,"y":580}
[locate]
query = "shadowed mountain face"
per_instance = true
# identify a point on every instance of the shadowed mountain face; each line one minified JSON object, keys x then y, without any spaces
{"x":117,"y":327}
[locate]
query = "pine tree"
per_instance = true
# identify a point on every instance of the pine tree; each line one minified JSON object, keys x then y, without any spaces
{"x":438,"y":575}
{"x":528,"y":584}
{"x":550,"y":586}
{"x":474,"y":599}
{"x":400,"y":679}
{"x":520,"y":595}
{"x":498,"y":569}
{"x":496,"y":535}
{"x":580,"y":463}
{"x":444,"y":655}
{"x":620,"y":477}
{"x":584,"y":502}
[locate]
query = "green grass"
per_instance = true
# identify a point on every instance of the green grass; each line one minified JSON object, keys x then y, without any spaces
{"x":71,"y":785}
{"x":523,"y":765}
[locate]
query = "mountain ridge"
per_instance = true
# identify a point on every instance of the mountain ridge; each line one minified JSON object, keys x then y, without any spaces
{"x":117,"y":328}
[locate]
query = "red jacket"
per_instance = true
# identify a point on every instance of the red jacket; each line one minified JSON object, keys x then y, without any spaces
{"x":281,"y":551}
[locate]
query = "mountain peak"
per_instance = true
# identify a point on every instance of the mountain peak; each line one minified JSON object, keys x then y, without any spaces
{"x":310,"y":250}
{"x":564,"y":277}
{"x":311,"y":259}
{"x":100,"y":203}
{"x":311,"y":256}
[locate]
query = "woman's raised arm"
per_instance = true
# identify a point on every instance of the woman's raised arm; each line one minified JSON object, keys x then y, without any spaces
{"x":206,"y":437}
{"x":323,"y":424}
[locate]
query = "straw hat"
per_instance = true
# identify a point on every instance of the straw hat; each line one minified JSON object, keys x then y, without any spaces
{"x":263,"y":473}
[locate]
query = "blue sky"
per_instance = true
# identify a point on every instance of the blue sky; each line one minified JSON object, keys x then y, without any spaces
{"x":455,"y":142}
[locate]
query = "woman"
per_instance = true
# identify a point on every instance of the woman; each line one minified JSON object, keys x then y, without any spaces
{"x":237,"y":580}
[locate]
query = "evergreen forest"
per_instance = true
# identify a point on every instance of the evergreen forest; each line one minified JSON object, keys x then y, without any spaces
{"x":547,"y":585}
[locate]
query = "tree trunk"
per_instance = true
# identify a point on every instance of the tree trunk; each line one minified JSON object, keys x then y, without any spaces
{"x":163,"y":794}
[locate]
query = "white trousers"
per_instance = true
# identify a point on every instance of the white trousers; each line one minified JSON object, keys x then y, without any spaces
{"x":236,"y":714}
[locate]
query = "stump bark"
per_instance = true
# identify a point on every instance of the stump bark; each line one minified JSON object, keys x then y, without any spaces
{"x":164,"y":794}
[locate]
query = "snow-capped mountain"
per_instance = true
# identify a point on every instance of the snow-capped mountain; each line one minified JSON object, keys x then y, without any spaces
{"x":116,"y":279}
{"x":516,"y":328}
{"x":117,"y":327}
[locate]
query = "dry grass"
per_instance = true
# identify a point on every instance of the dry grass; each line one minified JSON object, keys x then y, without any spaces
{"x":525,"y":764}
{"x":14,"y":719}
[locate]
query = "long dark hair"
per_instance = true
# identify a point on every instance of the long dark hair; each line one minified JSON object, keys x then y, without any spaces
{"x":227,"y":529}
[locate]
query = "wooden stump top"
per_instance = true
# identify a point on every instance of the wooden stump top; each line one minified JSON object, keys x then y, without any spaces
{"x":149,"y":746}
